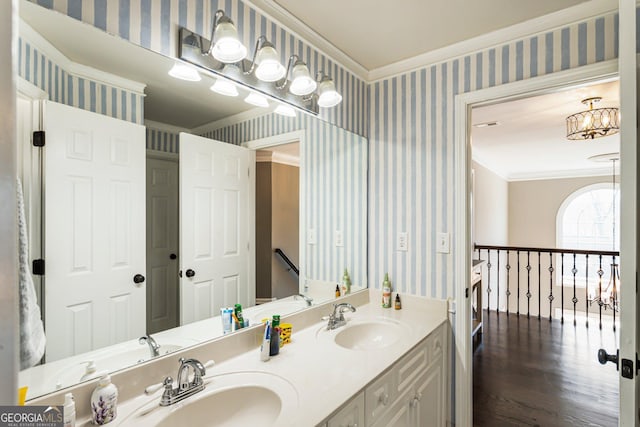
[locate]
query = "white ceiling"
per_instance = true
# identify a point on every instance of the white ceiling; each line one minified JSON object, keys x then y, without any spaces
{"x":376,"y":33}
{"x":530,"y":141}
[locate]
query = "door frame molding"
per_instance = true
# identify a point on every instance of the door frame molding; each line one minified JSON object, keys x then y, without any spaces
{"x":287,"y":138}
{"x":462,"y":255}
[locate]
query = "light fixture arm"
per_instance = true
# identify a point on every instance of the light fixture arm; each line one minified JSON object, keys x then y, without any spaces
{"x":281,"y":84}
{"x":216,"y":19}
{"x":259,"y":43}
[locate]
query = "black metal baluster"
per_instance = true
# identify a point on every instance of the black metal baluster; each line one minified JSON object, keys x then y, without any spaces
{"x":498,"y":285}
{"x":586,"y":288}
{"x":518,"y":299}
{"x":488,"y":280}
{"x":598,"y":297}
{"x":614,"y":291}
{"x":550,"y":285}
{"x":562,"y":287}
{"x":539,"y":287}
{"x":508,"y":267}
{"x":528,"y":283}
{"x":574,"y":271}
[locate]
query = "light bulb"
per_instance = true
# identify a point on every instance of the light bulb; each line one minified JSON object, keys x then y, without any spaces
{"x":301,"y":82}
{"x":227,"y":47}
{"x":327,"y":94}
{"x":269,"y":67}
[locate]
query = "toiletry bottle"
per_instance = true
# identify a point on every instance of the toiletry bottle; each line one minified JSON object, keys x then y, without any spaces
{"x":346,"y":283}
{"x":265,"y":348}
{"x":337,"y":291}
{"x":104,"y":400}
{"x":238,"y":313}
{"x":274,"y":345}
{"x":386,"y":292}
{"x":69,"y":411}
{"x":398,"y":304}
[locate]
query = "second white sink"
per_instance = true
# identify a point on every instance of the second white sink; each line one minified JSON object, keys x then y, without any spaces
{"x":370,"y":335}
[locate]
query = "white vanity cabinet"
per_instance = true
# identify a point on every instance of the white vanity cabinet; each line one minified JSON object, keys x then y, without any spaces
{"x":351,"y":415}
{"x":412,"y":392}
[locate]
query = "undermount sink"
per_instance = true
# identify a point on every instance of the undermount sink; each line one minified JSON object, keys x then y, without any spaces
{"x":235,"y":399}
{"x":366,"y":334}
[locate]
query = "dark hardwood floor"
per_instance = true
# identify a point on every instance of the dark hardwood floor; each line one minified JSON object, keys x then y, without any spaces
{"x":539,"y":373}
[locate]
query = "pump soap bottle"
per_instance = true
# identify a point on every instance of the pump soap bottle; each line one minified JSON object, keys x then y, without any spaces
{"x":104,"y":400}
{"x":386,"y":292}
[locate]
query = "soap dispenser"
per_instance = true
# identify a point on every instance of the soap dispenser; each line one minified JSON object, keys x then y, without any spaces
{"x":104,"y":400}
{"x":346,"y":283}
{"x":386,"y":292}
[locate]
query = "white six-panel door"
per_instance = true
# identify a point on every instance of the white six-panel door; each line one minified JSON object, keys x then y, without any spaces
{"x":94,"y":231}
{"x":217,"y":227}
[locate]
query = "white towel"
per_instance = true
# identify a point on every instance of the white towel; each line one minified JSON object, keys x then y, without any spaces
{"x":32,"y":339}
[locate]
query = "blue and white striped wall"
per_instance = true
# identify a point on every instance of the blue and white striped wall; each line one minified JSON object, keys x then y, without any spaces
{"x":162,"y":140}
{"x":154,"y":25}
{"x":335,"y":167}
{"x":412,"y":145}
{"x":66,"y":88}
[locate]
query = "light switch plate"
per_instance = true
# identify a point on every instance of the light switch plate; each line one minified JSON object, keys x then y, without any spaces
{"x":338,"y":238}
{"x":403,"y":244}
{"x":442,"y":243}
{"x":311,"y":236}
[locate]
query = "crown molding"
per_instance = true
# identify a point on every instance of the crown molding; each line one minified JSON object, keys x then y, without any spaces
{"x":165,"y":127}
{"x":559,"y":174}
{"x":264,"y":156}
{"x":304,"y":33}
{"x":533,"y":26}
{"x":78,"y":70}
{"x":232,"y":120}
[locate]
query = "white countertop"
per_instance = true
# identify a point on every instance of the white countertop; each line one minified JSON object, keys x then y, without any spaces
{"x":324,"y":375}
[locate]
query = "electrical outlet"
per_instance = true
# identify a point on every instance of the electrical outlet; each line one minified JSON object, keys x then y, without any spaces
{"x":403,"y":244}
{"x":338,"y":238}
{"x":311,"y":236}
{"x":442,"y":243}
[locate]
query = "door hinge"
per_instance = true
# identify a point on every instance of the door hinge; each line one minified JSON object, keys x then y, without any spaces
{"x":38,"y":138}
{"x":37,"y":267}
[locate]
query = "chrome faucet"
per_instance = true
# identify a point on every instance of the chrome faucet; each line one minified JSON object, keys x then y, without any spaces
{"x":336,"y":319}
{"x":307,"y":299}
{"x":154,"y":348}
{"x":185,"y":387}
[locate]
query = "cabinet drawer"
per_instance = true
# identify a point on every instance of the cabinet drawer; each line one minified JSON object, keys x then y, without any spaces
{"x":411,"y":366}
{"x":380,"y":395}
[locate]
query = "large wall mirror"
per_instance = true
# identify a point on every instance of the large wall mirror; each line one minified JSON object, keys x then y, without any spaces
{"x":155,"y":202}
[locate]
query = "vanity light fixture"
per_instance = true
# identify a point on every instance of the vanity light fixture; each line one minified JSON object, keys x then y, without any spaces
{"x":285,"y":110}
{"x":184,"y":72}
{"x":225,"y":45}
{"x":328,"y":96}
{"x":266,"y":62}
{"x":301,"y":83}
{"x":257,"y":100}
{"x":224,"y":87}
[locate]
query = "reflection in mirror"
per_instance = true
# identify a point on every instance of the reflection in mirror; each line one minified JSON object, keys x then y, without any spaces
{"x":166,"y":201}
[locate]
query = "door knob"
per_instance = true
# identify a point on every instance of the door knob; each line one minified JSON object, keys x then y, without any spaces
{"x":138,"y":278}
{"x":604,"y":357}
{"x":173,"y":256}
{"x":190,"y":273}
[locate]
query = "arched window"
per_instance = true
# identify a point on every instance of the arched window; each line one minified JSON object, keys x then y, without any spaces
{"x":585,"y":220}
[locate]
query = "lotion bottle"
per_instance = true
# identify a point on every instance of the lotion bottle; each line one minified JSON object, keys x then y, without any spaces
{"x":386,"y":292}
{"x":69,"y":411}
{"x":346,"y":283}
{"x":104,"y":400}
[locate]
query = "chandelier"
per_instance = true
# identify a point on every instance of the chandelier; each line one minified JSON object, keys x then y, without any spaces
{"x":594,"y":122}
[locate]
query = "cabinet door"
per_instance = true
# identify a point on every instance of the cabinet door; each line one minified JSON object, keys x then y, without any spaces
{"x":352,"y":415}
{"x":428,"y":401}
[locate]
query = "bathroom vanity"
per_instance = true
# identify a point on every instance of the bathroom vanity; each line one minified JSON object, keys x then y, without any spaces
{"x":384,"y":367}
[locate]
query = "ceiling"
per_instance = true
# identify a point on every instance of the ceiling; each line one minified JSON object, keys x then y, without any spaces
{"x":168,"y":100}
{"x":376,"y":33}
{"x":530,"y":142}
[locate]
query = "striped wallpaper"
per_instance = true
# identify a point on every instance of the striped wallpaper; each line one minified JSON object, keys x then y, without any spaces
{"x":66,"y":88}
{"x":334,"y":163}
{"x":162,"y":140}
{"x":154,"y":25}
{"x":412,"y":139}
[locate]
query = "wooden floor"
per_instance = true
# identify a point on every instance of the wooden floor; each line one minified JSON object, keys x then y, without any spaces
{"x":539,"y":373}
